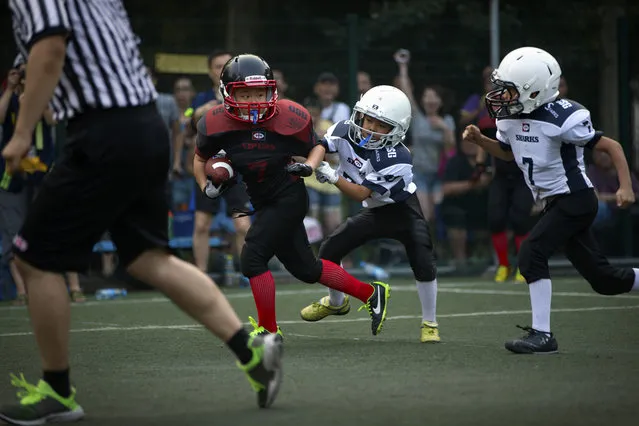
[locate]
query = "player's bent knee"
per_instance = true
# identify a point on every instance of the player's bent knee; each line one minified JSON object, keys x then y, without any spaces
{"x":425,"y":274}
{"x":532,"y":263}
{"x":605,"y":284}
{"x":606,"y":289}
{"x":309,"y":274}
{"x":327,"y":251}
{"x":251,"y":263}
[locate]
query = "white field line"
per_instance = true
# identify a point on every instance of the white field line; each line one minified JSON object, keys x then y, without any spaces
{"x":457,"y":288}
{"x":333,"y":321}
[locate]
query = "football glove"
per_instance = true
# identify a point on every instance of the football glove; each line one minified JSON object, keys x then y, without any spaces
{"x":325,"y":173}
{"x":213,"y":191}
{"x":299,"y":169}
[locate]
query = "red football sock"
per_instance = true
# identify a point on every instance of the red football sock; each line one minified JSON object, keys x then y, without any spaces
{"x":500,"y":244}
{"x":263,"y":288}
{"x":337,"y":278}
{"x":518,"y":240}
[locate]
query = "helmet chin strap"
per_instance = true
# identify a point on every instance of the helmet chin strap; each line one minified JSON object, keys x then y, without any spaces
{"x":365,"y":141}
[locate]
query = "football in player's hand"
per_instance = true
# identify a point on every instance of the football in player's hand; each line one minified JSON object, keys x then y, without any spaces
{"x":219,"y":170}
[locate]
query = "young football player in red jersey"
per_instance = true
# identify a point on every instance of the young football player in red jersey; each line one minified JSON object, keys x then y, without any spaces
{"x":260,"y":135}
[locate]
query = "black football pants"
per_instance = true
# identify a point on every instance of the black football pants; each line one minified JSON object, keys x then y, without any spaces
{"x":566,"y":222}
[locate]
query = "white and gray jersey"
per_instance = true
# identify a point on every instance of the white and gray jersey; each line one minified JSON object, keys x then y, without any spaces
{"x":548,"y":146}
{"x":388,"y":172}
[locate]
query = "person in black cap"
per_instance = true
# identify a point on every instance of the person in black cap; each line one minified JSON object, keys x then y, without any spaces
{"x":327,"y":89}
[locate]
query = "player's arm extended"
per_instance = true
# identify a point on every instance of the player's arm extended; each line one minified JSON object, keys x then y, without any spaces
{"x":615,"y":151}
{"x":353,"y":190}
{"x":493,"y":147}
{"x":316,"y":156}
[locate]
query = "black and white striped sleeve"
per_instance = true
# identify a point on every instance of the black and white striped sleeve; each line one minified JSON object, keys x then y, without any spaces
{"x":34,"y":20}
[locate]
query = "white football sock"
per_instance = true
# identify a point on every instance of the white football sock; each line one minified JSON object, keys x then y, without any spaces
{"x":427,"y":291}
{"x":335,"y":297}
{"x":635,"y":286}
{"x":540,"y":298}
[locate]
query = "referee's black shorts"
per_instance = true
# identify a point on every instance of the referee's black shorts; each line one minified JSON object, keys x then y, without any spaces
{"x":112,"y":176}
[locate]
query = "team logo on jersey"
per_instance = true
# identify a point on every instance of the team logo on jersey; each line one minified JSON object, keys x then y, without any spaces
{"x":525,"y":127}
{"x":258,"y":136}
{"x":355,"y":162}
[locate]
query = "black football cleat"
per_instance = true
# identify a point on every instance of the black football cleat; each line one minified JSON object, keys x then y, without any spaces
{"x":376,"y":305}
{"x":535,"y":342}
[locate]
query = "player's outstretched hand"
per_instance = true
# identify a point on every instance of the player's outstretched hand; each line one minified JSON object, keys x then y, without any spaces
{"x":625,"y":197}
{"x":212,"y":191}
{"x":472,"y":134}
{"x":325,"y":173}
{"x":299,"y":169}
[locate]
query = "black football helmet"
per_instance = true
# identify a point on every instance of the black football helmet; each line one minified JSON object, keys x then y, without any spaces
{"x":244,"y":71}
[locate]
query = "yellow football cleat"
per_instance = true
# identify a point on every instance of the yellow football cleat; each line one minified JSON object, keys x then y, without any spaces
{"x":519,"y":279}
{"x":502,"y":274}
{"x":430,"y":332}
{"x":320,"y":310}
{"x":259,"y":330}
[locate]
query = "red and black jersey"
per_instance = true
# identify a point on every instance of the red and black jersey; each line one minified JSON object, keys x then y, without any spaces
{"x":259,"y":152}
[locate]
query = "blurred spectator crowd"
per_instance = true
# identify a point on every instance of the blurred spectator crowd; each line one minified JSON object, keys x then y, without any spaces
{"x":453,"y":198}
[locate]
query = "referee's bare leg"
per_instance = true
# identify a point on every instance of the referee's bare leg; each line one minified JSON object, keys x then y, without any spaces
{"x":190,"y":289}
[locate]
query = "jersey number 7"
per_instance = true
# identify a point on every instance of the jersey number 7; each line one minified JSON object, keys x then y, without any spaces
{"x":260,"y":168}
{"x":529,"y":162}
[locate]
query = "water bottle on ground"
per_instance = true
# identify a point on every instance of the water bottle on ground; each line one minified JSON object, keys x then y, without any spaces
{"x":110,"y":293}
{"x":230,"y":276}
{"x":377,"y":272}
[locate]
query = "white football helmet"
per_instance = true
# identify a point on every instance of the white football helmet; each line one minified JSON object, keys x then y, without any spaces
{"x":387,"y":104}
{"x":526,"y":79}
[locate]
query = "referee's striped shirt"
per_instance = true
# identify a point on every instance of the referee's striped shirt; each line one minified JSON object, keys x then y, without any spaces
{"x":103,"y":67}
